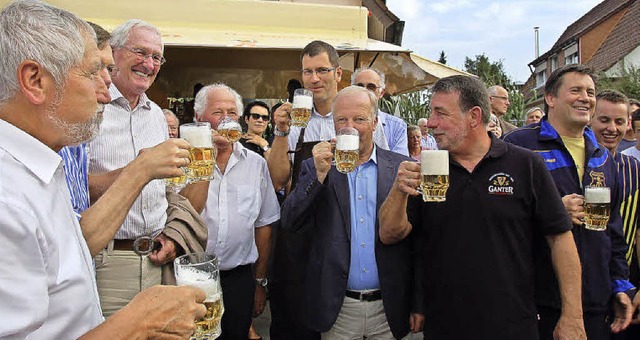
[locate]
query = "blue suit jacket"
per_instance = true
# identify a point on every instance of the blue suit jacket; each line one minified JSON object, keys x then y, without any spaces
{"x":323,"y":210}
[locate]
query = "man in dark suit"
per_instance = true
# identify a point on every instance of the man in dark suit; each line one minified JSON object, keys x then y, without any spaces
{"x":355,"y":286}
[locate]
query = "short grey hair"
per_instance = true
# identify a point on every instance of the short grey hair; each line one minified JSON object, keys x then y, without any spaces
{"x":493,"y":90}
{"x":120,"y":35}
{"x":532,"y":110}
{"x":200,"y":103}
{"x":471,"y":91}
{"x":33,"y":30}
{"x":168,"y":112}
{"x":422,"y":120}
{"x":383,"y":83}
{"x":351,"y":90}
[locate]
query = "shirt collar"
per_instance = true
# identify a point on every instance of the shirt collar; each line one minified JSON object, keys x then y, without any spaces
{"x":116,"y":96}
{"x":315,"y":113}
{"x":498,"y":147}
{"x":239,"y":150}
{"x":381,"y":117}
{"x":40,"y":159}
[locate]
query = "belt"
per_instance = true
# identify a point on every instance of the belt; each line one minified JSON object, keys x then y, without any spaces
{"x":129,"y":245}
{"x":368,"y":296}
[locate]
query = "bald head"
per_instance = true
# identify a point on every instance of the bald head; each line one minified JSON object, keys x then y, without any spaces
{"x":499,"y":100}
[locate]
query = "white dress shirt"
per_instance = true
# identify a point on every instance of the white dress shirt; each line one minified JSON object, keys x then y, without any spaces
{"x":123,"y":133}
{"x":47,"y":283}
{"x":239,"y":201}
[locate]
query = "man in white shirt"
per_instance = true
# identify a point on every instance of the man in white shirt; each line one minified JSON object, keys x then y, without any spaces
{"x":48,"y":100}
{"x":132,"y":122}
{"x":394,"y":129}
{"x":240,"y":207}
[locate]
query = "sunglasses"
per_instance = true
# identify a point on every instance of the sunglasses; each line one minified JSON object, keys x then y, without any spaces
{"x":371,"y":87}
{"x":257,"y":116}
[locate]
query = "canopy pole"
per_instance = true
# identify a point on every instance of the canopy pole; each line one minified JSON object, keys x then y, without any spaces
{"x":374,"y":59}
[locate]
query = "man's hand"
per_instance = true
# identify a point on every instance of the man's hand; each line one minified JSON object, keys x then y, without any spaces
{"x":623,"y":309}
{"x":166,"y":252}
{"x":322,"y":157}
{"x":255,"y":139}
{"x":574,"y":204}
{"x":569,"y":329}
{"x":164,"y":160}
{"x":282,"y":117}
{"x":416,"y":322}
{"x":259,"y":301}
{"x":408,"y":178}
{"x":636,"y":309}
{"x":168,"y":311}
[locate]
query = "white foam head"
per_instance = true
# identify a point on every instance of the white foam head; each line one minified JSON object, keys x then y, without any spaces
{"x":303,"y":102}
{"x":197,"y":136}
{"x":188,"y":276}
{"x":597,"y":195}
{"x":434,"y":162}
{"x":229,"y":125}
{"x":347,"y":142}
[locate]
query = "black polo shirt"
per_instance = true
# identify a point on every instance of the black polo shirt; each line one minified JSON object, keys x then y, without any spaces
{"x":478,"y":245}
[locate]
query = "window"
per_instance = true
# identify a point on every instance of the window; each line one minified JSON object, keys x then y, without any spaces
{"x":554,"y":63}
{"x":572,"y":59}
{"x":541,"y":78}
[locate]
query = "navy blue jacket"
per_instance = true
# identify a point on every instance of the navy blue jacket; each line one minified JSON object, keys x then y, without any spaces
{"x":602,"y":254}
{"x":324,"y":210}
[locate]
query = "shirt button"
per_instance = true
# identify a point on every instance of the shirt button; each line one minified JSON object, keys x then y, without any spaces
{"x":360,"y":197}
{"x":362,"y":220}
{"x":362,"y":244}
{"x":364,"y":270}
{"x":359,"y":176}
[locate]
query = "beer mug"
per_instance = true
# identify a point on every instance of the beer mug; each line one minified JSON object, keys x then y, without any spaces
{"x":229,"y":129}
{"x":201,"y":270}
{"x":302,"y":106}
{"x":347,"y":150}
{"x":434,"y":175}
{"x":597,"y":207}
{"x":202,"y":156}
{"x":176,"y":183}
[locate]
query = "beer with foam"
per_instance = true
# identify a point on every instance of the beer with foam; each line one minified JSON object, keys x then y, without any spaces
{"x":302,"y":106}
{"x":347,"y":152}
{"x":202,"y":154}
{"x":434,"y":171}
{"x":597,"y":207}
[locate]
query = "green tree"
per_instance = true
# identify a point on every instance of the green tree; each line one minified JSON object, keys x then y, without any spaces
{"x":626,"y":81}
{"x":443,"y":58}
{"x":493,"y":73}
{"x":408,"y":106}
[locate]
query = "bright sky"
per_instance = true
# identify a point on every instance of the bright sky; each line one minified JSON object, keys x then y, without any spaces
{"x":502,"y":29}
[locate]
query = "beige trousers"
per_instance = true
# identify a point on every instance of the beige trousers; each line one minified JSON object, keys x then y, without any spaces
{"x":121,"y":275}
{"x":358,"y":320}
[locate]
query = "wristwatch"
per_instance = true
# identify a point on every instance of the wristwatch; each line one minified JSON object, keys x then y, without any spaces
{"x":262,"y":282}
{"x":279,"y":133}
{"x":265,"y":148}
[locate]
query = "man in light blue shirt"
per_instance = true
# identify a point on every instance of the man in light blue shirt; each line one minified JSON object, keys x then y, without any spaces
{"x":355,"y":287}
{"x":394,"y":128}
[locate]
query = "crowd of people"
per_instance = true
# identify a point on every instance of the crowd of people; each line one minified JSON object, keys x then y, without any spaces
{"x":89,"y":231}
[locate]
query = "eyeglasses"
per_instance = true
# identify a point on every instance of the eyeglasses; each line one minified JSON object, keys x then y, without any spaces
{"x":321,"y":71}
{"x":142,"y":55}
{"x":500,"y":97}
{"x":112,"y":70}
{"x":370,"y":86}
{"x":257,"y":116}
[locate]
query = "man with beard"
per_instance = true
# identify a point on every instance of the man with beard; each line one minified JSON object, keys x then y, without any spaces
{"x":132,"y":124}
{"x":576,"y":160}
{"x":479,"y":265}
{"x":48,"y":99}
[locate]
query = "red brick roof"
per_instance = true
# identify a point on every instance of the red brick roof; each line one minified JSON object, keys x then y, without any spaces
{"x":596,"y":15}
{"x":623,"y":39}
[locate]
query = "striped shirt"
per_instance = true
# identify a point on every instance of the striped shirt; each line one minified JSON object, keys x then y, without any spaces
{"x":123,"y":133}
{"x":75,"y":173}
{"x":628,"y":180}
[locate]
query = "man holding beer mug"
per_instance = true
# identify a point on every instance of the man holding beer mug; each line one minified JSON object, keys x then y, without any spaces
{"x":240,"y":207}
{"x":349,"y":269}
{"x":49,"y":99}
{"x":478,"y":244}
{"x":609,"y":124}
{"x":578,"y":164}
